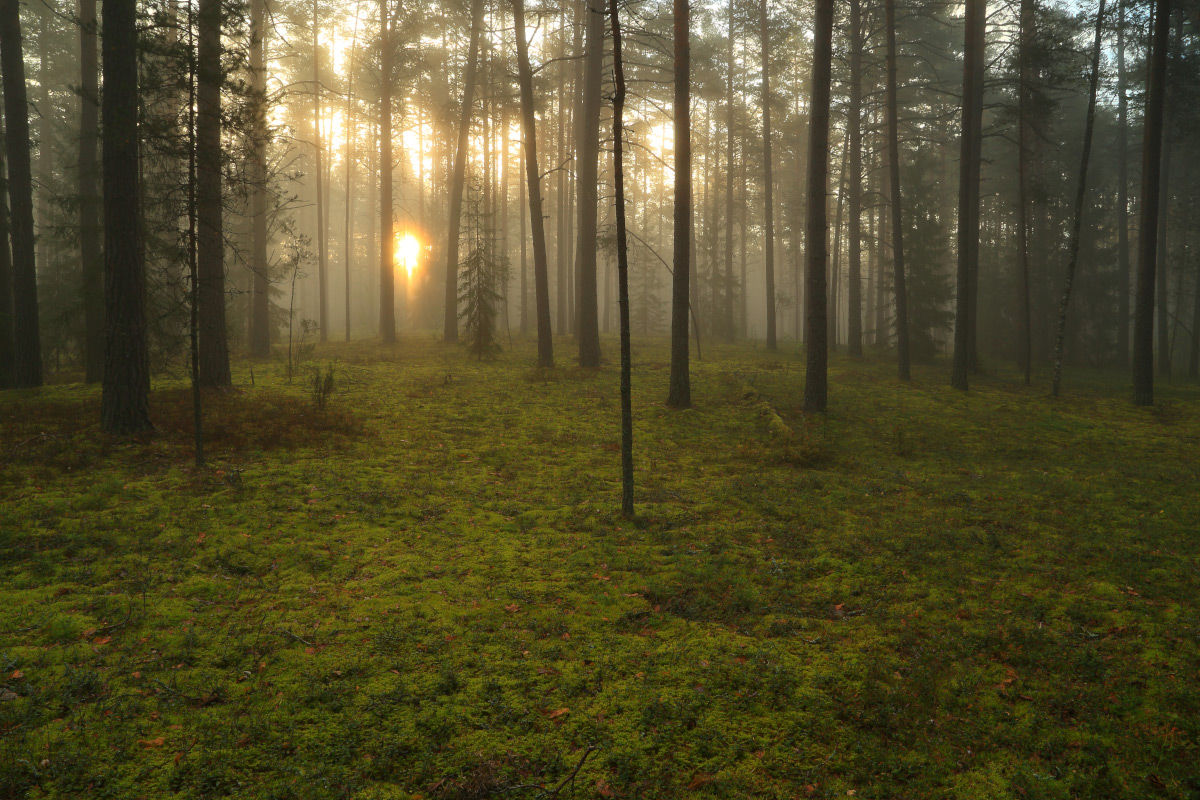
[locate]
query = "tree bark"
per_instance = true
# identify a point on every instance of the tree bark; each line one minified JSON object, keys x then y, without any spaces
{"x":1025,"y":333}
{"x":351,"y":144}
{"x":450,"y":325}
{"x":1080,"y":196}
{"x":387,"y":270}
{"x":1123,"y":261}
{"x":210,"y":243}
{"x":7,"y":345}
{"x":125,"y":404}
{"x":260,"y":316}
{"x":622,"y":270}
{"x":1152,"y":145}
{"x":817,"y":223}
{"x":854,"y":126}
{"x":968,"y":196}
{"x":533,"y":179}
{"x":896,"y":201}
{"x":91,"y":209}
{"x":730,"y":330}
{"x":768,"y":178}
{"x":319,"y":154}
{"x":587,"y":150}
{"x":679,"y":393}
{"x":27,"y":353}
{"x":1162,"y":318}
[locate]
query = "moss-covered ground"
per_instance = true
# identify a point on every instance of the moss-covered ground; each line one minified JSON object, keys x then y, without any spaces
{"x":425,"y":589}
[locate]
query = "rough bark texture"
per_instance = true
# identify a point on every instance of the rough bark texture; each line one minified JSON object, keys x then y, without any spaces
{"x":541,"y":276}
{"x":817,"y":223}
{"x":587,"y":150}
{"x":260,"y":312}
{"x":854,"y":127}
{"x":679,"y":392}
{"x":91,"y":209}
{"x":210,"y":242}
{"x":1080,"y":195}
{"x":968,"y":197}
{"x":125,"y":405}
{"x":450,"y":325}
{"x":1143,"y":320}
{"x":387,"y":270}
{"x":27,"y":355}
{"x":622,"y":270}
{"x":896,"y":204}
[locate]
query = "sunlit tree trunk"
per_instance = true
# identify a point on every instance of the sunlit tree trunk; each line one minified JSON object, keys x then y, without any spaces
{"x":450,"y":325}
{"x":27,"y":354}
{"x":1152,"y":145}
{"x":679,"y":393}
{"x":319,"y":171}
{"x":351,"y":135}
{"x":622,"y":268}
{"x":968,"y":195}
{"x":1080,"y":196}
{"x":768,"y":177}
{"x":895,"y":200}
{"x":730,"y":330}
{"x":533,"y":179}
{"x":260,"y":314}
{"x":587,"y":152}
{"x":91,"y":210}
{"x":210,"y":243}
{"x":125,"y":405}
{"x":387,"y":272}
{"x":854,"y":125}
{"x":817,"y":224}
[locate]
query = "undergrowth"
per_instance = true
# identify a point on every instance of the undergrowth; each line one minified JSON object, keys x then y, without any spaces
{"x":421,"y":587}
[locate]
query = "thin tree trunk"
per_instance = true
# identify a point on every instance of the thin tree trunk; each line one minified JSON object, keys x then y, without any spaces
{"x":622,"y":270}
{"x":1152,"y":145}
{"x":91,"y":209}
{"x":854,"y":295}
{"x":125,"y":404}
{"x":210,"y":243}
{"x":387,"y":269}
{"x":1080,"y":196}
{"x":730,"y":331}
{"x":351,"y":134}
{"x":896,"y":201}
{"x":193,"y":218}
{"x":7,"y":345}
{"x":533,"y":178}
{"x":1123,"y":260}
{"x":817,"y":225}
{"x":968,"y":196}
{"x":1025,"y":334}
{"x":587,"y":150}
{"x":450,"y":325}
{"x":1164,"y":207}
{"x":768,"y":178}
{"x":27,"y":360}
{"x":260,"y":315}
{"x":524,"y":251}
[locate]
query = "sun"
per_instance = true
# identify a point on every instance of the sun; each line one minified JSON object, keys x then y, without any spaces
{"x":408,"y":250}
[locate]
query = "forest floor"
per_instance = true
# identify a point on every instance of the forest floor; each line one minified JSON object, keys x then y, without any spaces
{"x":424,"y":589}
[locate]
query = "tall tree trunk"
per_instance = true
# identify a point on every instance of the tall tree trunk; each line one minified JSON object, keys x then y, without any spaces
{"x":541,"y":277}
{"x":125,"y":404}
{"x":622,"y":269}
{"x":91,"y":209}
{"x":1164,"y":207}
{"x":27,"y":360}
{"x":210,"y":243}
{"x":562,"y":324}
{"x":260,"y":315}
{"x":730,"y":330}
{"x":768,"y":178}
{"x":1123,"y":261}
{"x":193,"y":218}
{"x":387,"y":269}
{"x":896,"y":200}
{"x":854,"y":125}
{"x":351,"y":135}
{"x":1080,"y":196}
{"x":321,"y":204}
{"x":450,"y":325}
{"x":976,"y":163}
{"x":968,"y":195}
{"x":1152,"y":146}
{"x":7,"y":345}
{"x":587,"y":150}
{"x":1025,"y":334}
{"x":524,"y":251}
{"x":817,"y":225}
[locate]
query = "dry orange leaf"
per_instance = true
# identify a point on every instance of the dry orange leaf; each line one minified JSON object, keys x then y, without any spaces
{"x":150,"y":743}
{"x":558,"y":712}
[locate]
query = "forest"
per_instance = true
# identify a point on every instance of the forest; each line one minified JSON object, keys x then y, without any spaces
{"x":599,"y":398}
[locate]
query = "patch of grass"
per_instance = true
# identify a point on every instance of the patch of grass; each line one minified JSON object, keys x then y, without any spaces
{"x":425,"y":589}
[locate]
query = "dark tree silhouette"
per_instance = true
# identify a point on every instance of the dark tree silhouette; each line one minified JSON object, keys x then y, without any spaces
{"x":816,"y":233}
{"x":968,"y":194}
{"x":622,"y":267}
{"x":896,"y":204}
{"x":679,"y":395}
{"x":91,"y":210}
{"x":210,"y":241}
{"x":587,"y":150}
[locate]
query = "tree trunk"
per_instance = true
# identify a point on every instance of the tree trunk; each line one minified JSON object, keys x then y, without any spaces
{"x":27,"y":353}
{"x":587,"y":152}
{"x":91,"y":210}
{"x":1123,"y":261}
{"x":768,"y":181}
{"x":351,"y":135}
{"x":125,"y":404}
{"x":854,"y":125}
{"x":730,"y":330}
{"x":817,"y":225}
{"x":1025,"y":334}
{"x":1152,"y":145}
{"x":679,"y":393}
{"x":387,"y":270}
{"x":533,"y":178}
{"x":260,"y":316}
{"x":1080,"y":196}
{"x":318,"y":155}
{"x":1164,"y":206}
{"x":7,"y":354}
{"x":450,"y":325}
{"x":622,"y":270}
{"x":896,"y":200}
{"x":210,"y":243}
{"x":968,"y":195}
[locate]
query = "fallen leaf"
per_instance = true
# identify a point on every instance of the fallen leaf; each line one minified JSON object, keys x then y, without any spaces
{"x":150,"y":743}
{"x":17,"y":674}
{"x":512,"y":608}
{"x":558,"y":712}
